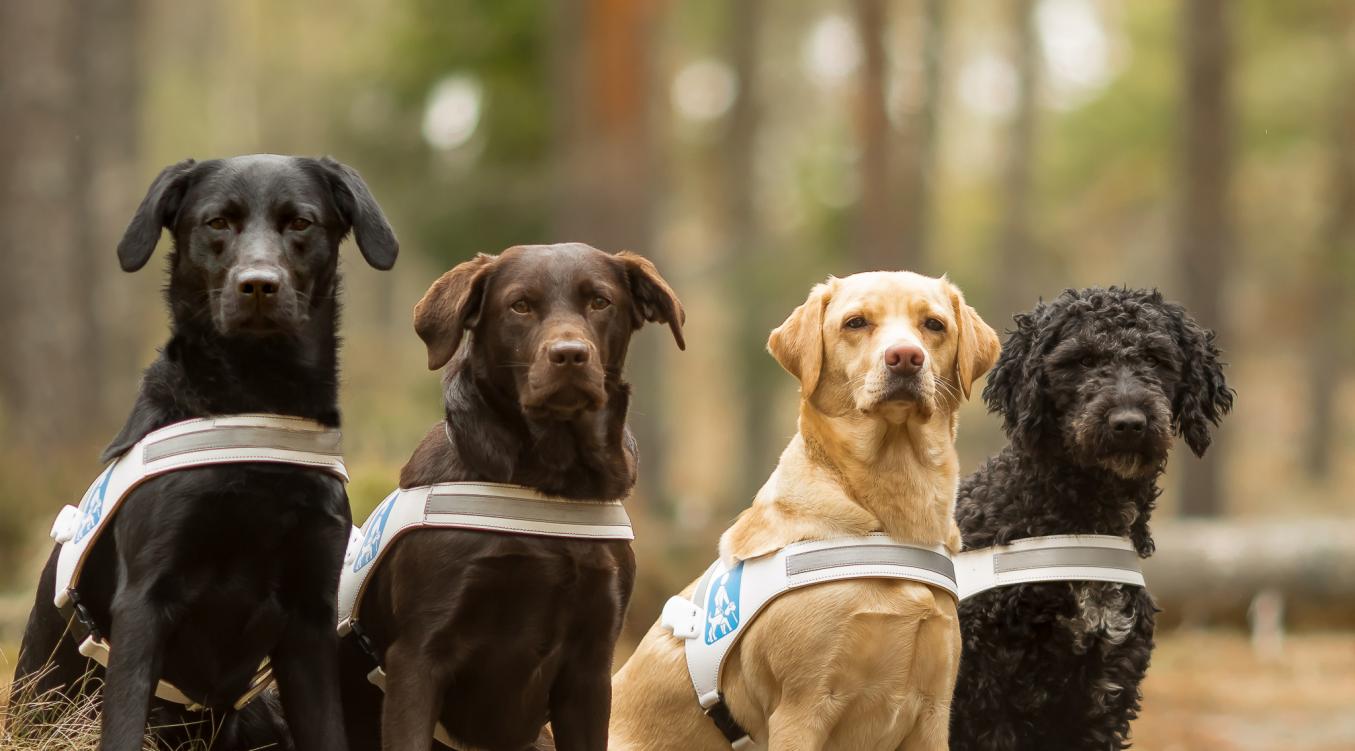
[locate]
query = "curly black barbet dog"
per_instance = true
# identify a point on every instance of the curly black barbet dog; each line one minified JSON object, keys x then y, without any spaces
{"x":206,"y":571}
{"x":1091,"y":388}
{"x":492,"y":634}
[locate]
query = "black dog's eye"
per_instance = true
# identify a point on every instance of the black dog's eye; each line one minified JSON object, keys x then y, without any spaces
{"x":935,"y":324}
{"x":1087,"y":361}
{"x":856,"y":322}
{"x":218,"y":223}
{"x":298,"y":224}
{"x":599,"y":303}
{"x":521,"y":306}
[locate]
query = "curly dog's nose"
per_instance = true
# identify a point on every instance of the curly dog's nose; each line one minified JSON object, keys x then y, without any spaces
{"x":905,"y":359}
{"x":1128,"y":422}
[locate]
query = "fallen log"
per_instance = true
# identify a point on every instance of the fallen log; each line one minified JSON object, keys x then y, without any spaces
{"x":1212,"y":572}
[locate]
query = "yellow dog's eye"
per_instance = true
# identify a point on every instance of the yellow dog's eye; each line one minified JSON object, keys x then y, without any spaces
{"x":934,"y":324}
{"x":218,"y":223}
{"x":856,"y":322}
{"x":599,"y":303}
{"x":521,"y":306}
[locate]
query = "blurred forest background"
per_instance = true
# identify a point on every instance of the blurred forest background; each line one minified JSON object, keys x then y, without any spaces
{"x":751,"y":148}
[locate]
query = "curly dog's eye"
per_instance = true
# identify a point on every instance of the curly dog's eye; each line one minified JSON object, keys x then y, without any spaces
{"x":1152,"y":361}
{"x":935,"y":324}
{"x":1087,"y":361}
{"x":856,"y":322}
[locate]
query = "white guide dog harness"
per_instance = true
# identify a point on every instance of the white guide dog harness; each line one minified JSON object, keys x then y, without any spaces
{"x":1056,"y":558}
{"x":726,"y":600}
{"x":485,"y":506}
{"x":202,"y":442}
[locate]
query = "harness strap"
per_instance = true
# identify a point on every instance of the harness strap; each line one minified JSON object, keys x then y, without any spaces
{"x":1049,"y":559}
{"x":726,"y":599}
{"x":235,"y":439}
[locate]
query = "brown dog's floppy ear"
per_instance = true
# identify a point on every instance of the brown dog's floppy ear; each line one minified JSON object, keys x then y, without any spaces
{"x":451,"y":306}
{"x":977,"y":346}
{"x":797,"y":344}
{"x":654,"y":300}
{"x":156,"y":212}
{"x":362,"y":214}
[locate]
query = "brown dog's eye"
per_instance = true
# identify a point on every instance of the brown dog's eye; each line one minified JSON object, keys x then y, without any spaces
{"x":521,"y":306}
{"x":218,"y":223}
{"x":934,"y":324}
{"x":856,"y":322}
{"x":599,"y":303}
{"x":298,"y":224}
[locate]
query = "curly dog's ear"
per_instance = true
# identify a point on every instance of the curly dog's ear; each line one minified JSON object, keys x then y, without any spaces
{"x":978,"y":345}
{"x":1202,"y":396}
{"x":451,"y":306}
{"x":1017,"y":385}
{"x":797,"y":344}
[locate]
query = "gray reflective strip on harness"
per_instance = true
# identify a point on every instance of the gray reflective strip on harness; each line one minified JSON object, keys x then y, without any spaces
{"x":202,"y":442}
{"x":726,"y":600}
{"x":483,"y":506}
{"x":1049,"y":559}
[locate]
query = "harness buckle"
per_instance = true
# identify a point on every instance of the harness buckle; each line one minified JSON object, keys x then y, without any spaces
{"x":681,"y":616}
{"x":83,"y":616}
{"x":365,"y":643}
{"x":724,"y":721}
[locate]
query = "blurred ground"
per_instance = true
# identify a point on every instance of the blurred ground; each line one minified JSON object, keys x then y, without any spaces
{"x":1208,"y":691}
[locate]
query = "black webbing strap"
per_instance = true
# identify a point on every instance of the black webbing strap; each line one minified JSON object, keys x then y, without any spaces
{"x":720,"y":715}
{"x":365,"y":643}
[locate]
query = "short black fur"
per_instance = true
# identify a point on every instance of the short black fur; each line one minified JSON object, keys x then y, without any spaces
{"x":1091,"y":388}
{"x":206,"y":571}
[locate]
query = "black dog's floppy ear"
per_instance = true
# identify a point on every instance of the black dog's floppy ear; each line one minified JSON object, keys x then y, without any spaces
{"x":362,"y":214}
{"x":451,"y":306}
{"x":1016,"y":385}
{"x":156,"y":212}
{"x":655,"y":301}
{"x":1203,"y":396}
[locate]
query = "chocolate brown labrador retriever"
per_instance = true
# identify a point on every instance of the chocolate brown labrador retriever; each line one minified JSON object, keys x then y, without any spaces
{"x":492,"y":634}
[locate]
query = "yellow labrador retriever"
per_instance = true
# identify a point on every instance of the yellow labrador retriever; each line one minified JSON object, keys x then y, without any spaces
{"x":884,"y":360}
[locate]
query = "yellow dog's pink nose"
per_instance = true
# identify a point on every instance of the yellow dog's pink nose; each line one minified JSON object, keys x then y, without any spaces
{"x":905,"y":359}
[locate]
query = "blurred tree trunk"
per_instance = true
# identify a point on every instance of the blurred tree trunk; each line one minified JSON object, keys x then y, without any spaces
{"x":876,"y":231}
{"x":749,"y":289}
{"x":919,"y":154}
{"x":53,"y":58}
{"x":1330,"y":272}
{"x":606,"y":183}
{"x":1014,"y":287}
{"x":1204,"y":223}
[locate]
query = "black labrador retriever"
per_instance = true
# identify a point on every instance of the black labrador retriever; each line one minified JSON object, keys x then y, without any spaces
{"x":206,"y":571}
{"x":493,"y":634}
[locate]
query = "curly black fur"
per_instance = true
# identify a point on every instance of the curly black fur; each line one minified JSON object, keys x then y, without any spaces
{"x":1058,"y":665}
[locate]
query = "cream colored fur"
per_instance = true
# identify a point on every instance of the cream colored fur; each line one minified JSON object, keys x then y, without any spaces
{"x":860,"y":664}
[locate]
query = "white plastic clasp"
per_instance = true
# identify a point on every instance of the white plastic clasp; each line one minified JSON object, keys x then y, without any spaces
{"x":66,"y":524}
{"x":354,"y":544}
{"x":682,"y":617}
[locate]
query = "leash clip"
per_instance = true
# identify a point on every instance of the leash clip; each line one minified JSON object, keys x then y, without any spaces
{"x":681,"y":616}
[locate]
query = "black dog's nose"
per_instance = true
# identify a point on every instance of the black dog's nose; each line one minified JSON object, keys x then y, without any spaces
{"x":1128,"y":422}
{"x":568,"y":352}
{"x":905,"y":359}
{"x":259,"y":283}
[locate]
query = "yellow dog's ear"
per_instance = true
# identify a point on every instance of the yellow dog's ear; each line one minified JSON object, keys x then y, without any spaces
{"x":977,"y":348}
{"x":797,"y":344}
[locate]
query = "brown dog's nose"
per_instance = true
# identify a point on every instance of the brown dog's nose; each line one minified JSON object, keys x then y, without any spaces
{"x":258,"y":283}
{"x":568,"y":353}
{"x":905,"y":359}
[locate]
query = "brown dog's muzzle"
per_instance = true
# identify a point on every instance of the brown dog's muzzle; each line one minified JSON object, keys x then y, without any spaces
{"x":565,"y":378}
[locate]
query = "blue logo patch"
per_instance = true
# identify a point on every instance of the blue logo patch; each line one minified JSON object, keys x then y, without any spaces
{"x":372,"y":531}
{"x":92,"y":505}
{"x":722,"y":604}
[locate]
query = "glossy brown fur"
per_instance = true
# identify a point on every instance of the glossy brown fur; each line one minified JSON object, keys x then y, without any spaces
{"x":495,"y":634}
